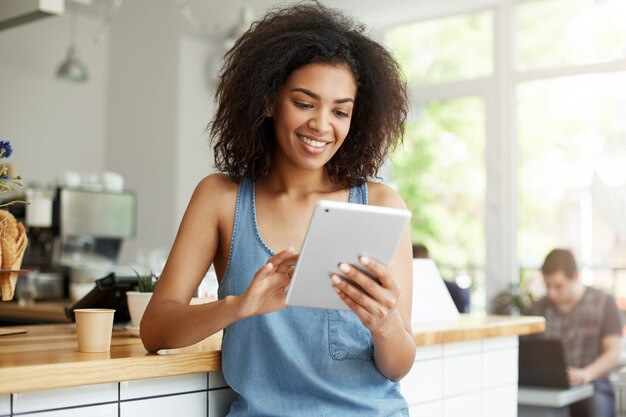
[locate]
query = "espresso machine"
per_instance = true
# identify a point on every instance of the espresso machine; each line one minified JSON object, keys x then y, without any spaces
{"x":75,"y":236}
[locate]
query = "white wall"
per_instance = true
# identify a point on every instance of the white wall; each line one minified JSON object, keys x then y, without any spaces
{"x":142,"y":130}
{"x":53,"y":125}
{"x":195,"y":109}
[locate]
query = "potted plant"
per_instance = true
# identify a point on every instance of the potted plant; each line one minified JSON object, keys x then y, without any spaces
{"x":512,"y":302}
{"x":138,"y":300}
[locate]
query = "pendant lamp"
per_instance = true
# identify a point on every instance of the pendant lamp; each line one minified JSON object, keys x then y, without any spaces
{"x":72,"y":68}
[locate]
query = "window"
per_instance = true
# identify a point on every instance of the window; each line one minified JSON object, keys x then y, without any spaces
{"x":561,"y":66}
{"x":570,"y":128}
{"x":446,"y":194}
{"x":557,"y":33}
{"x":440,"y":170}
{"x":570,"y":106}
{"x":452,"y":48}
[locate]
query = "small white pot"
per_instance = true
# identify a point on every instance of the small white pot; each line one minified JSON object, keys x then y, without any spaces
{"x":137,"y":303}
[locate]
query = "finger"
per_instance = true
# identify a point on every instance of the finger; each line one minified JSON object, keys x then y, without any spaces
{"x":287,"y":264}
{"x":284,"y":254}
{"x":359,"y":297}
{"x":380,"y":270}
{"x":263,"y":273}
{"x":365,"y":281}
{"x":358,"y":309}
{"x":288,"y":256}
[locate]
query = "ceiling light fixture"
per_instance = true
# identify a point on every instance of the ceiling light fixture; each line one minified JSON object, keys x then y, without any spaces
{"x":72,"y":68}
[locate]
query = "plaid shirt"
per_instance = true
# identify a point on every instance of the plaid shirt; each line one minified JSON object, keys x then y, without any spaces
{"x":581,"y":330}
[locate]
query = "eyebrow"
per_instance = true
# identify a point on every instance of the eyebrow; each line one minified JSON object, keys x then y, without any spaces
{"x":317,"y":97}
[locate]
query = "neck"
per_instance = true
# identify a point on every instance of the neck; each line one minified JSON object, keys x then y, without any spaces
{"x":284,"y":177}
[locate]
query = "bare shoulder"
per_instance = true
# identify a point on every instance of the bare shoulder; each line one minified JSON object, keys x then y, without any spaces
{"x":215,"y":196}
{"x":216,"y":192}
{"x":383,"y":195}
{"x":216,"y":185}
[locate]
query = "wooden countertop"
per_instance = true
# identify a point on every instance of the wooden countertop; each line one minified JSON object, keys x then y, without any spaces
{"x":46,"y":356}
{"x":472,"y":327}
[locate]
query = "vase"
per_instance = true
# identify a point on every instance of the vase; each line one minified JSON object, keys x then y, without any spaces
{"x":137,"y":303}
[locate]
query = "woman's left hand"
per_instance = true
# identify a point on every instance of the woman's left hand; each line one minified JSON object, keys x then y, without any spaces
{"x":375,"y":303}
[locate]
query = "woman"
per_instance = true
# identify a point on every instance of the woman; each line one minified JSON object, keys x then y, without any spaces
{"x":308,"y":108}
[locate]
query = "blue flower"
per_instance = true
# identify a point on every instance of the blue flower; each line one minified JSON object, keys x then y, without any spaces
{"x":4,"y":177}
{"x":5,"y":149}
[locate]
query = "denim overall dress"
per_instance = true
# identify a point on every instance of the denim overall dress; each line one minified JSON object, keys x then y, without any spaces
{"x":297,"y":362}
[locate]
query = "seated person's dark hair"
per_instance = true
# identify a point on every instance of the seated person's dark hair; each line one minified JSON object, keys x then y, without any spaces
{"x":560,"y":260}
{"x":420,"y":251}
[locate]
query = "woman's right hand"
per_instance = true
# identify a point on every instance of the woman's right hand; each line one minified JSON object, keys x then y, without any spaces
{"x":268,"y":288}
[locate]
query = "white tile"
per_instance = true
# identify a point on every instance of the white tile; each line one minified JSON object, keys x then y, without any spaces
{"x":142,"y":388}
{"x":499,"y":368}
{"x":424,"y":382}
{"x":188,"y":405}
{"x":505,"y":342}
{"x":220,"y":401}
{"x":64,"y":397}
{"x":462,"y":374}
{"x":107,"y":410}
{"x":216,"y":380}
{"x":464,"y":405}
{"x":431,"y":409}
{"x":500,"y":402}
{"x":428,"y":352}
{"x":5,"y":404}
{"x":462,"y":348}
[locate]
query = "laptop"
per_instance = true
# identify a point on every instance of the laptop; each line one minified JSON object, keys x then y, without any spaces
{"x":542,"y":363}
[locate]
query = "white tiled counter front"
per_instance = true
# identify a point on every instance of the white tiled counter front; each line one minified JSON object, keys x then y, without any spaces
{"x":184,"y":395}
{"x":5,"y":405}
{"x":477,"y":378}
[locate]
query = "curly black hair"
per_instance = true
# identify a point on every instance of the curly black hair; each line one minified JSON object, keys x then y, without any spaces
{"x":261,"y":61}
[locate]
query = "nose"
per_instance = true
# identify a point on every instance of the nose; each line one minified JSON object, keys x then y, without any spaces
{"x":552,"y":293}
{"x":319,"y":122}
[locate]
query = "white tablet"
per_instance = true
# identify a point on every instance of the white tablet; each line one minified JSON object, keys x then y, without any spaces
{"x":341,"y":232}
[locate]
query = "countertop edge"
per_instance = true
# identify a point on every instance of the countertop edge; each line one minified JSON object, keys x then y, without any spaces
{"x":522,"y":326}
{"x":39,"y":377}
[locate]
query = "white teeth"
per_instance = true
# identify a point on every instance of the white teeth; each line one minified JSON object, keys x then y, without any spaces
{"x":311,"y":142}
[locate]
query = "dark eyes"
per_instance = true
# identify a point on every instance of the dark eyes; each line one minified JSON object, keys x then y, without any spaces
{"x":306,"y":106}
{"x":302,"y":105}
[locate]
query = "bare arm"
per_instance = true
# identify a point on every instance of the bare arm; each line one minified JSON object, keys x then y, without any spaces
{"x":169,"y":320}
{"x":605,"y":363}
{"x":385,"y":307}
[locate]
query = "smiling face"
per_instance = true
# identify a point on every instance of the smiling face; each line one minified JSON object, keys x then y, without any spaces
{"x":312,"y":114}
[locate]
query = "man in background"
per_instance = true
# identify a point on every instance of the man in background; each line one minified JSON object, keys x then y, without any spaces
{"x":588,"y":324}
{"x":460,"y":296}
